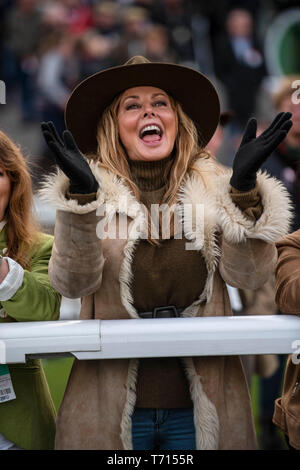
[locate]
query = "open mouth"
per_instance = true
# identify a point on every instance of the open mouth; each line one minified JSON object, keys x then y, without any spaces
{"x":151,"y":133}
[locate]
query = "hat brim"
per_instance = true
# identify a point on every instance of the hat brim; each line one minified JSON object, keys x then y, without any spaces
{"x":190,"y":88}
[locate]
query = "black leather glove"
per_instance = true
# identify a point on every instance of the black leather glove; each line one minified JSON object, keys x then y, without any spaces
{"x":70,"y":160}
{"x":253,"y":150}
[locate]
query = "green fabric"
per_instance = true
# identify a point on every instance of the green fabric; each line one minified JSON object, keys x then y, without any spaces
{"x":29,"y":420}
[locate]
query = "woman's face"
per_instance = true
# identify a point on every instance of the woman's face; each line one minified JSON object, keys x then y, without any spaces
{"x":147,"y":123}
{"x":5,"y":188}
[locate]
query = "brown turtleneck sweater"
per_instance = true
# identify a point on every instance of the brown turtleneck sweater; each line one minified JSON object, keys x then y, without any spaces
{"x":168,"y":274}
{"x":158,"y":272}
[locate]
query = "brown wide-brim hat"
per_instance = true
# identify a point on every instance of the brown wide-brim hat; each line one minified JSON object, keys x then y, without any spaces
{"x":192,"y":89}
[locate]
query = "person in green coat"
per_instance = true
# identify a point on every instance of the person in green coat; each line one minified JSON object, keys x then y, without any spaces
{"x":27,"y":416}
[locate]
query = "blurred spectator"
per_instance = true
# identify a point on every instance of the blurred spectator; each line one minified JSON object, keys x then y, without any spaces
{"x":153,"y":8}
{"x":215,"y":143}
{"x":214,"y":11}
{"x":239,"y":64}
{"x":58,"y":73}
{"x":22,"y":34}
{"x":157,"y":45}
{"x":79,"y":16}
{"x":202,"y":44}
{"x":107,"y":19}
{"x":136,"y":24}
{"x":54,"y":18}
{"x":4,"y":9}
{"x":287,"y":98}
{"x":280,"y":5}
{"x":176,"y":17}
{"x":57,"y":76}
{"x":97,"y":52}
{"x":283,"y":163}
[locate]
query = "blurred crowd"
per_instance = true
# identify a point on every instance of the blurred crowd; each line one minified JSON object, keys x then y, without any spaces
{"x":49,"y":46}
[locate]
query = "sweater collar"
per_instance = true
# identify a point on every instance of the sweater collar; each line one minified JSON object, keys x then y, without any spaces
{"x":150,"y":176}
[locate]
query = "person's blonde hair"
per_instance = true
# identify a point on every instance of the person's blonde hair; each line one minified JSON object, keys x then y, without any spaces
{"x":22,"y":231}
{"x":112,"y":155}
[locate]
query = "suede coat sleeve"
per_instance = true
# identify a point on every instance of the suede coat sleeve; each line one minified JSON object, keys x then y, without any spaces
{"x":247,"y":265}
{"x":76,"y":265}
{"x":288,"y":274}
{"x":248,"y":252}
{"x":287,"y":284}
{"x":36,"y":299}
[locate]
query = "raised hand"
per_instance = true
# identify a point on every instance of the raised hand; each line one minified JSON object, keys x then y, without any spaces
{"x":70,"y":160}
{"x":254,"y":151}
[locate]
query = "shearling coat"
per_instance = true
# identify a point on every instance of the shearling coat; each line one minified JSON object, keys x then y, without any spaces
{"x":287,"y":407}
{"x":100,"y":395}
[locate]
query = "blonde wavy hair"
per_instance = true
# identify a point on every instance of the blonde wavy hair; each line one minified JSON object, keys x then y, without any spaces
{"x":112,"y":156}
{"x":22,"y":231}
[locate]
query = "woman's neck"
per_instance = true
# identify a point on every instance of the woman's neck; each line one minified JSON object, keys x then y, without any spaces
{"x":150,"y":175}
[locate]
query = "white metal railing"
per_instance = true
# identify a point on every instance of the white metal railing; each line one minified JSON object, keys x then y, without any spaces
{"x":103,"y":339}
{"x":44,"y":212}
{"x":165,"y":337}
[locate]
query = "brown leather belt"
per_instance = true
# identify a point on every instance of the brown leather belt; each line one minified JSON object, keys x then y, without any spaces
{"x":163,"y":312}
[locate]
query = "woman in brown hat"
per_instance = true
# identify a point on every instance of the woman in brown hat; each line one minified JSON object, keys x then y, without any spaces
{"x":143,"y":128}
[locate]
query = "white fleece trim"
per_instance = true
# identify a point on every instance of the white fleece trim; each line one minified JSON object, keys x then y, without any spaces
{"x":126,"y":277}
{"x":274,"y":222}
{"x":54,"y":189}
{"x":126,"y":422}
{"x":205,"y":414}
{"x":12,"y":281}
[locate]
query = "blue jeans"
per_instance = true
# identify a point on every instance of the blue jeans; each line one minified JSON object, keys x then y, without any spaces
{"x":163,"y":429}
